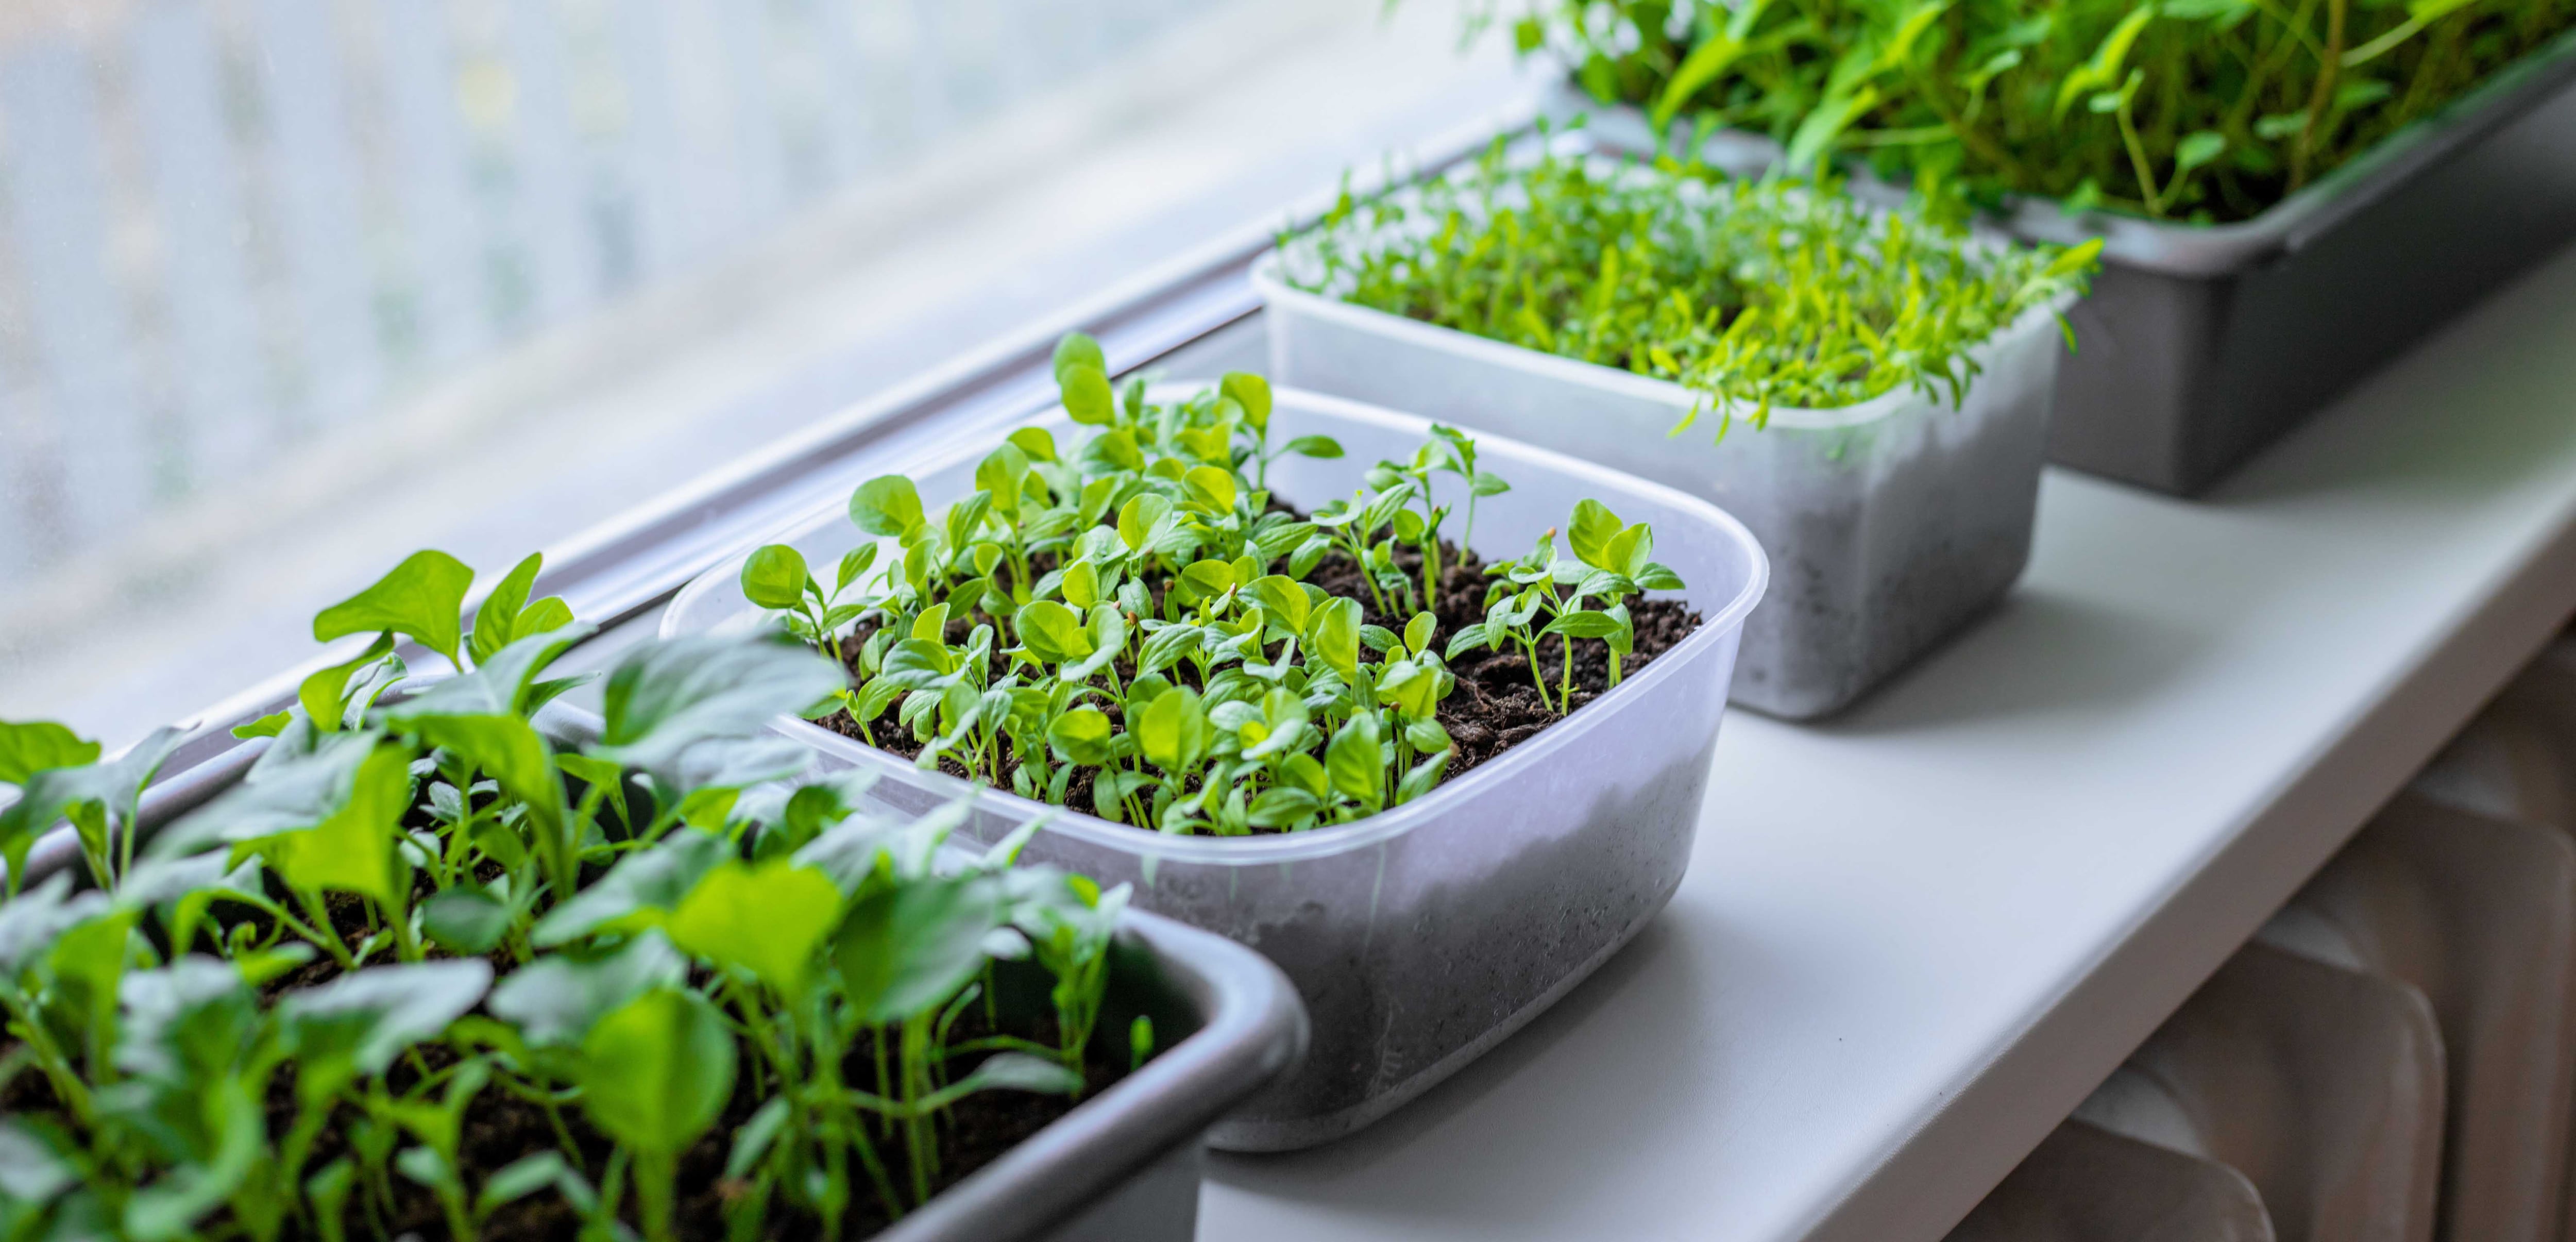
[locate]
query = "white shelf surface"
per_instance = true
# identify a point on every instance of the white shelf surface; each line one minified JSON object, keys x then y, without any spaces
{"x":1912,"y":939}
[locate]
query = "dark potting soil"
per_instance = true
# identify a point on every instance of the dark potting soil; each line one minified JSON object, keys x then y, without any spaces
{"x":501,"y":1128}
{"x":1494,"y":708}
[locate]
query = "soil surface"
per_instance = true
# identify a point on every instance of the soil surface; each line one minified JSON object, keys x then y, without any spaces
{"x":1495,"y":707}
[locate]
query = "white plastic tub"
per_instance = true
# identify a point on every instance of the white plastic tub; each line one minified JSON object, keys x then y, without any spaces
{"x":1889,"y":524}
{"x":1423,"y":936}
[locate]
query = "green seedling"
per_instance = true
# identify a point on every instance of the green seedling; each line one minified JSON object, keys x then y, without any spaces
{"x":2209,"y":111}
{"x":716,"y":933}
{"x":1136,"y":611}
{"x":1754,"y":296}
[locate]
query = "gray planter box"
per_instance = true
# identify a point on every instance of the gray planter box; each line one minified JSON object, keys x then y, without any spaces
{"x":2200,"y":345}
{"x":1123,"y":1166}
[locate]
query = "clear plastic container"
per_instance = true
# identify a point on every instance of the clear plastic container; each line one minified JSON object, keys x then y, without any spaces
{"x":1423,"y":936}
{"x":1890,"y":523}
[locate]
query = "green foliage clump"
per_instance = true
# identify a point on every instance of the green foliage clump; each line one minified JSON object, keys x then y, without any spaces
{"x":1755,"y":295}
{"x":290,"y":1016}
{"x":1136,"y":608}
{"x":2203,"y":110}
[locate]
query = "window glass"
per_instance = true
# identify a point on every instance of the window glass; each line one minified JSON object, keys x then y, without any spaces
{"x":289,"y":288}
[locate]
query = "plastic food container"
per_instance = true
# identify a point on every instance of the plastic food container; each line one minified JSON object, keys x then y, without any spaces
{"x":1122,"y":1167}
{"x":2478,"y":914}
{"x":1890,"y":524}
{"x":1423,"y":936}
{"x":2199,"y":345}
{"x":2322,"y":1085}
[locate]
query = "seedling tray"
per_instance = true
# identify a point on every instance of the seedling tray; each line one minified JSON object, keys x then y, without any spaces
{"x":1891,"y":523}
{"x":2200,"y":345}
{"x":1423,"y":936}
{"x":2480,"y":915}
{"x":1125,"y":1165}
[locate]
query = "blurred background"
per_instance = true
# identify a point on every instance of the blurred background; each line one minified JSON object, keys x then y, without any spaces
{"x":289,"y":288}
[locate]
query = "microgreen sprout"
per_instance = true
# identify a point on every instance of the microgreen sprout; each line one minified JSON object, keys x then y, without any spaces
{"x":1753,"y":295}
{"x":1138,"y":613}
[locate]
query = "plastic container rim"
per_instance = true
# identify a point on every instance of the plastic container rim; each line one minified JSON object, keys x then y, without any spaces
{"x":1319,"y":842}
{"x":1884,"y":406}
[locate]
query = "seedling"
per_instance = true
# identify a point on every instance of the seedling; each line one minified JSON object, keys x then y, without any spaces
{"x":1753,"y":295}
{"x":1138,"y":613}
{"x":680,"y":933}
{"x":2204,"y":110}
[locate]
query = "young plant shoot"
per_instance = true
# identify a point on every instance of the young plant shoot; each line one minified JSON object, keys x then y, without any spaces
{"x":1754,"y":295}
{"x":1135,"y":624}
{"x":2208,"y":111}
{"x":431,"y":970}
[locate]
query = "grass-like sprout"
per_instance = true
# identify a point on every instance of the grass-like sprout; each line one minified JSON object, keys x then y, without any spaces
{"x":1755,"y":295}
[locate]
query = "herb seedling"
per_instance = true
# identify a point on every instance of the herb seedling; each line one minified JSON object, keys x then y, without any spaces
{"x":1136,"y":612}
{"x":2204,"y":110}
{"x":1753,"y":295}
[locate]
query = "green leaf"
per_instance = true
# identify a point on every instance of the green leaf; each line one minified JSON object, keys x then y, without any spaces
{"x":766,"y":918}
{"x":1321,"y":448}
{"x":639,"y":891}
{"x":1076,"y":349}
{"x":26,"y":749}
{"x":656,"y":1072}
{"x":1052,"y":632}
{"x":1210,"y":578}
{"x":775,"y":577}
{"x":1588,"y":536}
{"x":32,"y":1171}
{"x":498,"y":622}
{"x":1355,"y":763}
{"x":556,"y":999}
{"x":2198,"y":148}
{"x":1139,"y":518}
{"x":1817,"y":133}
{"x":1283,"y":805}
{"x":1334,"y":636}
{"x":32,"y":921}
{"x":886,"y":505}
{"x":465,"y":921}
{"x":999,"y":475}
{"x":1251,"y":392}
{"x":1018,"y":1071}
{"x":1080,"y":736}
{"x":1285,"y":601}
{"x":353,"y":850}
{"x":1418,"y":632}
{"x":1037,"y":442}
{"x":422,"y":599}
{"x":1173,"y":731}
{"x":269,"y":725}
{"x":368,"y":1018}
{"x":1211,"y":489}
{"x":324,"y":694}
{"x":1585,"y":624}
{"x":1087,"y":396}
{"x":905,"y":951}
{"x":1081,"y":584}
{"x":665,"y":696}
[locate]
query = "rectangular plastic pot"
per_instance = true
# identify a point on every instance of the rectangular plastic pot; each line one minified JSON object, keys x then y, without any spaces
{"x":2200,"y":345}
{"x":1123,"y":1166}
{"x":1890,"y":524}
{"x":1423,"y":936}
